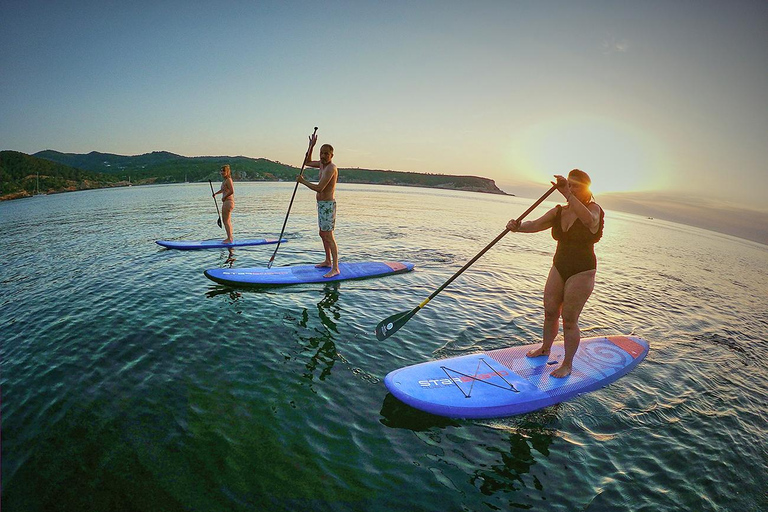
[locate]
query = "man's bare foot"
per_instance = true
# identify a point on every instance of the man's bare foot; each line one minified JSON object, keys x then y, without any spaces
{"x":324,"y":264}
{"x":227,"y":241}
{"x":561,"y":371}
{"x":333,"y":272}
{"x":537,"y":352}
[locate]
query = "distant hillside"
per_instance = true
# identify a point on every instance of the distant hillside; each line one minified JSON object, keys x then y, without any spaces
{"x":109,"y":163}
{"x":22,"y":175}
{"x":415,"y":179}
{"x":165,"y":167}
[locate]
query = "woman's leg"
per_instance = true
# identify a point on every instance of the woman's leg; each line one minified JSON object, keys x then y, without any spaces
{"x":226,"y":214}
{"x":576,"y":292}
{"x":553,"y":303}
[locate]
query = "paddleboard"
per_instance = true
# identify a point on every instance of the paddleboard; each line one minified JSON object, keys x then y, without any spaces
{"x":298,"y":274}
{"x":505,"y":382}
{"x":188,"y":245}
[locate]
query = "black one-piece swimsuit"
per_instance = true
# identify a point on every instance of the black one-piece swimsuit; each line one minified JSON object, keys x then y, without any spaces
{"x":576,"y":247}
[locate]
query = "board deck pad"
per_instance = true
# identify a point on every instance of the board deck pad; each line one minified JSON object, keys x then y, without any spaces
{"x":300,"y":274}
{"x":505,"y":382}
{"x":188,"y":245}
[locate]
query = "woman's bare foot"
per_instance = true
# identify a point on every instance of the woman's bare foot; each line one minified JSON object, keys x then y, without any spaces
{"x":332,"y":273}
{"x":324,"y":264}
{"x":561,"y":371}
{"x":227,"y":241}
{"x":537,"y":352}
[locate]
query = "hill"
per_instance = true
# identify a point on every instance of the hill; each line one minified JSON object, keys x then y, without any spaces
{"x":165,"y":167}
{"x":106,"y":162}
{"x":21,"y":175}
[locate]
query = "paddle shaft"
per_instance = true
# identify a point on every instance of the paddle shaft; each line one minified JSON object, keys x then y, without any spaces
{"x":480,"y":254}
{"x":301,"y":173}
{"x":391,"y":324}
{"x":215,"y":203}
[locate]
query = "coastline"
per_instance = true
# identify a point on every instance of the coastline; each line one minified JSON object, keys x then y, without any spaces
{"x":24,"y":194}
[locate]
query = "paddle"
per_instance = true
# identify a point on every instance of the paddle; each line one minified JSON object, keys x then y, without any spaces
{"x":390,"y":325}
{"x":272,"y":259}
{"x":215,"y":203}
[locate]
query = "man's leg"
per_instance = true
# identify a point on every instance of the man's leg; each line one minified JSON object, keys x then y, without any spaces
{"x":331,"y":252}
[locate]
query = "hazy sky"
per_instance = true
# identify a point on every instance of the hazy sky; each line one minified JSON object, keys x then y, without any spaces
{"x":664,"y":96}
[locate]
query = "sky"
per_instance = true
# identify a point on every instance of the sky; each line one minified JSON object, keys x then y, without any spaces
{"x":663,"y":97}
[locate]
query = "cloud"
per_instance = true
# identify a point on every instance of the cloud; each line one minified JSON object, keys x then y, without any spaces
{"x":698,"y":212}
{"x":612,"y":45}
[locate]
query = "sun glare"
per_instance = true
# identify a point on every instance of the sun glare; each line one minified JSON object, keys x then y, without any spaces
{"x":618,"y":157}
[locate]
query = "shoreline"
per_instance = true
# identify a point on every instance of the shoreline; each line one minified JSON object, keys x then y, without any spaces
{"x":24,"y":194}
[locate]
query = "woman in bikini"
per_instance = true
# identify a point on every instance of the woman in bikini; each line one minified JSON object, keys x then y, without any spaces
{"x":576,"y":227}
{"x":227,"y":192}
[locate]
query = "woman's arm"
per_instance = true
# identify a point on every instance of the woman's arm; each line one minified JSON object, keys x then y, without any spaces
{"x":533,"y":226}
{"x":589,"y":215}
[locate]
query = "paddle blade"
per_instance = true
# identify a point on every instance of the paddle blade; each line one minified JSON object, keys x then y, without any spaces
{"x":219,"y":221}
{"x":392,"y":324}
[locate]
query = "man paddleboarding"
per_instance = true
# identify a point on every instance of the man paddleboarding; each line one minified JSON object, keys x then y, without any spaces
{"x":326,"y":201}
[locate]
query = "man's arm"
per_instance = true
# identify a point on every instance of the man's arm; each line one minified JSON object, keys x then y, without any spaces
{"x":330,"y":172}
{"x":308,"y":157}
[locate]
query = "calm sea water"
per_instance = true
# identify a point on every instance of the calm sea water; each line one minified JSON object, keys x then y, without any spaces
{"x":131,"y":382}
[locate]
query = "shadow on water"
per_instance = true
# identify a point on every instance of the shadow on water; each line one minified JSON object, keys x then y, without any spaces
{"x":498,"y":459}
{"x":396,"y":414}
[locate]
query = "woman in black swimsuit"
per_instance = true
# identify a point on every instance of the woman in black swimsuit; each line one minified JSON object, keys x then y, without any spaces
{"x":576,"y":227}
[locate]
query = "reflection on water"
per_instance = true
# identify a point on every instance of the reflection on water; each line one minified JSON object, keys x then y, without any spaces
{"x":515,"y":459}
{"x":320,"y":345}
{"x":234,"y":295}
{"x":316,"y":340}
{"x":231,"y":258}
{"x":327,"y":309}
{"x":499,"y":467}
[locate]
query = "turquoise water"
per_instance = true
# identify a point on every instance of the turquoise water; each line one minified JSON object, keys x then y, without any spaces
{"x":131,"y":382}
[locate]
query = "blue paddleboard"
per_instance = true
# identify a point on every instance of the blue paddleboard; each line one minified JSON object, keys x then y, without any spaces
{"x":304,"y":273}
{"x":506,"y":382}
{"x":188,"y":245}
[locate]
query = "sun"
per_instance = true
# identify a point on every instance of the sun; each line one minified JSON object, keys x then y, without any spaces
{"x":618,"y":157}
